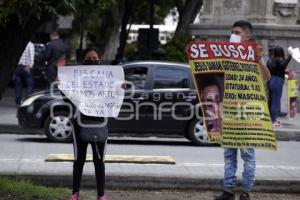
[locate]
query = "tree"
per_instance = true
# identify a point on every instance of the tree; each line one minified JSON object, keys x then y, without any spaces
{"x":19,"y":20}
{"x":128,"y":16}
{"x":93,"y":20}
{"x":113,"y":42}
{"x":139,"y":12}
{"x":188,"y":10}
{"x":101,"y":21}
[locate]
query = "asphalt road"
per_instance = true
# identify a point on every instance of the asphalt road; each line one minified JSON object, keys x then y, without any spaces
{"x":36,"y":148}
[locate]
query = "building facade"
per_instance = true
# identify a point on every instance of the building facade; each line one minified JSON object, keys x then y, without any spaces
{"x":275,"y":22}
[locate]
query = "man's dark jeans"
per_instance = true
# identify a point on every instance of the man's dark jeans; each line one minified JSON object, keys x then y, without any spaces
{"x":51,"y":73}
{"x":22,"y":75}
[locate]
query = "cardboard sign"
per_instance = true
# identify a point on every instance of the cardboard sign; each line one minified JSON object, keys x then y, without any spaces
{"x":95,"y":90}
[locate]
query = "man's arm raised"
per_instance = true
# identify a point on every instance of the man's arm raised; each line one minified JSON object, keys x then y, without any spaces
{"x":264,"y":70}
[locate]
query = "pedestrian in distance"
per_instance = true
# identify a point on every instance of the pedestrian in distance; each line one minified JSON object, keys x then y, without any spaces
{"x":23,"y":73}
{"x":54,"y":56}
{"x":244,"y":30}
{"x":277,"y":66}
{"x":91,"y":57}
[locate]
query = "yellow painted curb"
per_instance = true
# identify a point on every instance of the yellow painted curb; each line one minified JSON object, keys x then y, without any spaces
{"x":141,"y":159}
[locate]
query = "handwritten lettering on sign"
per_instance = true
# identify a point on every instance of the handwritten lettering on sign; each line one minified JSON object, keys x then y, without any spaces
{"x":94,"y":90}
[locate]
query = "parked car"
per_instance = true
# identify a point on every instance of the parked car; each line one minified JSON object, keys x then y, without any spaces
{"x":163,"y":101}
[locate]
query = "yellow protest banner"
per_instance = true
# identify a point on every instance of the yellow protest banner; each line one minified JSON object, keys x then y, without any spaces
{"x":292,"y":97}
{"x":232,"y":94}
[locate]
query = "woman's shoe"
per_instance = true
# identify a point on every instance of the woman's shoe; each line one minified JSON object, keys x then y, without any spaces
{"x":277,"y":125}
{"x":102,"y":198}
{"x":75,"y":196}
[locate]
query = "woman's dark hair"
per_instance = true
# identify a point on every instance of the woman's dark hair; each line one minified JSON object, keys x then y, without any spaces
{"x":278,"y":52}
{"x":90,"y":49}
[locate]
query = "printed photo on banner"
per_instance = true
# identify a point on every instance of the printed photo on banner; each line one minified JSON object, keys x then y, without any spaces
{"x":232,"y":94}
{"x":293,"y":107}
{"x":292,"y":97}
{"x":211,"y":91}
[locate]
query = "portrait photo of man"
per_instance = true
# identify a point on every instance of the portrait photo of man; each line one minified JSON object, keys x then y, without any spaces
{"x":293,"y":107}
{"x":211,"y":90}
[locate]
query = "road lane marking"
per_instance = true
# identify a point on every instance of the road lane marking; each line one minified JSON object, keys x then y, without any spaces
{"x":138,"y":159}
{"x":222,"y":165}
{"x":25,"y":160}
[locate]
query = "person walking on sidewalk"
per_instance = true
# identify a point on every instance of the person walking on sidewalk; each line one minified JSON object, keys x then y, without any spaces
{"x":91,"y":57}
{"x":277,"y":66}
{"x":244,"y":30}
{"x":23,"y":72}
{"x":54,"y":57}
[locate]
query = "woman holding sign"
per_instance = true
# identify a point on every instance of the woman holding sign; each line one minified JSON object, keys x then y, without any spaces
{"x":89,"y":130}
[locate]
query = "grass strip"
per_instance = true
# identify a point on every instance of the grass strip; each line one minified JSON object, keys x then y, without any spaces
{"x":11,"y":188}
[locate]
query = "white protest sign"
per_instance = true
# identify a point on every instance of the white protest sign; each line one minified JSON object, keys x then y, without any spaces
{"x":96,"y":90}
{"x":295,"y":53}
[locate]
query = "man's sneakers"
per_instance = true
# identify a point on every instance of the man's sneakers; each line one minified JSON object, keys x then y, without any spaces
{"x":75,"y":196}
{"x":230,"y":196}
{"x":226,"y":196}
{"x":244,"y":196}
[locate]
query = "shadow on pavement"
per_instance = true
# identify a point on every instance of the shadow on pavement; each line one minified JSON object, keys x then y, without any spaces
{"x":33,"y":139}
{"x":154,"y":142}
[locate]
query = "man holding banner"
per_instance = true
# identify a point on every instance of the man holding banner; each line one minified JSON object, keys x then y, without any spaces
{"x":246,"y":122}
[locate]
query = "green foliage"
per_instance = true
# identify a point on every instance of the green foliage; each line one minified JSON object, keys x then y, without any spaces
{"x":130,"y":49}
{"x":88,"y":5}
{"x":161,"y":10}
{"x":176,"y":49}
{"x":99,"y":24}
{"x":24,"y":10}
{"x":26,"y":190}
{"x":104,"y":5}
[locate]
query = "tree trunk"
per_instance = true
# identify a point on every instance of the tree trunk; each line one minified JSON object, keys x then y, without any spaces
{"x":127,"y":16}
{"x":13,"y":40}
{"x":187,"y":15}
{"x":113,"y":42}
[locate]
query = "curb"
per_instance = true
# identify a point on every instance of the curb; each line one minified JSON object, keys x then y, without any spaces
{"x":115,"y":181}
{"x":281,"y":134}
{"x":15,"y":129}
{"x":288,"y":135}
